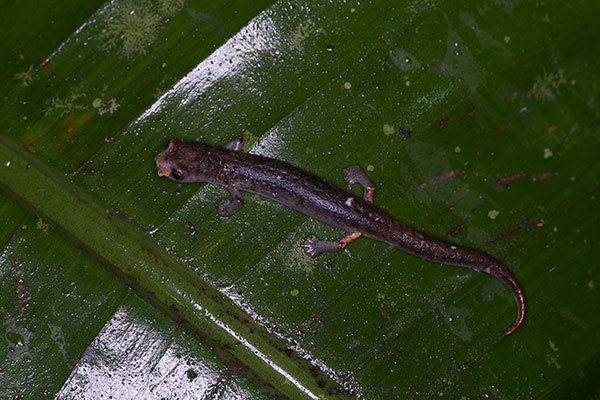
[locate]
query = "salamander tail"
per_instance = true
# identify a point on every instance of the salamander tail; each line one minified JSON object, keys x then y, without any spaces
{"x":429,"y":248}
{"x":501,"y":272}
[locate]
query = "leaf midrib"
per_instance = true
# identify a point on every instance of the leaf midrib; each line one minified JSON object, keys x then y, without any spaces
{"x":159,"y":276}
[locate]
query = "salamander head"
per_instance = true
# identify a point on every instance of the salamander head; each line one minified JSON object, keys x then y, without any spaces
{"x":181,"y":161}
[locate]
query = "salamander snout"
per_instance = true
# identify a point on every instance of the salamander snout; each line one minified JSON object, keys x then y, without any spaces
{"x":165,"y":167}
{"x":162,"y":165}
{"x":165,"y":170}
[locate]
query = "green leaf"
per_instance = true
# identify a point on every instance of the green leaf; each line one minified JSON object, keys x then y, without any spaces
{"x":476,"y":121}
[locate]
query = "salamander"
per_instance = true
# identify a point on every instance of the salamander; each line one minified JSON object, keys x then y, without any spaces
{"x":323,"y":200}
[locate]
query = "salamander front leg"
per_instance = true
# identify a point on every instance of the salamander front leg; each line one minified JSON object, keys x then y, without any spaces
{"x":314,"y":246}
{"x":227,"y":208}
{"x":355,"y":174}
{"x":235,"y":145}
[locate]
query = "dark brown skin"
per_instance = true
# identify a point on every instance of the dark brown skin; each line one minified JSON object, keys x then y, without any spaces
{"x":323,"y":200}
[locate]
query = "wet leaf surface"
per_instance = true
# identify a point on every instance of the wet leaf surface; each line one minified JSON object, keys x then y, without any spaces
{"x":477,"y":122}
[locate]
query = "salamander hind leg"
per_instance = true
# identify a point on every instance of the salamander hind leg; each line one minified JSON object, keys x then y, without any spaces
{"x":314,"y":246}
{"x":235,"y":145}
{"x":227,"y":208}
{"x":355,"y":174}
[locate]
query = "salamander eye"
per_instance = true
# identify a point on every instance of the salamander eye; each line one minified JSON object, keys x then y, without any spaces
{"x":177,"y":175}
